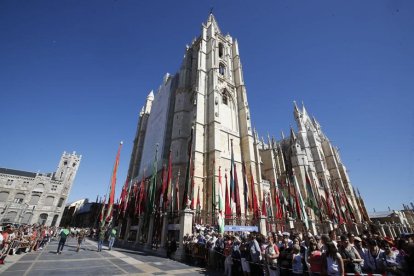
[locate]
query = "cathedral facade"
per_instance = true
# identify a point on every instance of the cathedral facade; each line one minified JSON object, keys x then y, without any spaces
{"x":204,"y":108}
{"x":29,"y":197}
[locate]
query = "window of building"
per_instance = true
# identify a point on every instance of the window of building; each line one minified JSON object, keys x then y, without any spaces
{"x":19,"y":198}
{"x":225,"y":99}
{"x":49,"y":200}
{"x":221,"y":50}
{"x":43,"y":219}
{"x":222,"y":69}
{"x":60,"y":203}
{"x":9,"y":182}
{"x":35,"y":198}
{"x":10,"y":217}
{"x":4,"y":196}
{"x":54,"y":188}
{"x":55,"y":218}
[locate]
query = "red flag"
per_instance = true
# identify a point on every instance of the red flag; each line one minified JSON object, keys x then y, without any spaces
{"x":141,"y":195}
{"x":227,"y":211}
{"x":279,"y":212}
{"x":254,"y":196}
{"x":108,"y":216}
{"x":198,"y":199}
{"x":264,"y":211}
{"x":168,"y":196}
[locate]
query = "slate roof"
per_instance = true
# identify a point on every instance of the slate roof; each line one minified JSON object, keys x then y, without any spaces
{"x":17,"y":172}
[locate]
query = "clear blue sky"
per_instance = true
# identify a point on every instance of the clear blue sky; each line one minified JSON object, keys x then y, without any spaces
{"x":74,"y":75}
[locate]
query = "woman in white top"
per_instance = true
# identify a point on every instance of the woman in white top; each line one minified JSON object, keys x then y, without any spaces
{"x":332,"y":263}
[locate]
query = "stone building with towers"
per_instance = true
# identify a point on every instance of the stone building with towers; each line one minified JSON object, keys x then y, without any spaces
{"x":206,"y":103}
{"x":30,"y":197}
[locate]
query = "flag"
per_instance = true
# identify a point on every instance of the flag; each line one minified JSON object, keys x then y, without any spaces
{"x":279,"y":212}
{"x":163,"y":189}
{"x":301,"y":202}
{"x":264,"y":208}
{"x":187,"y":182}
{"x":108,"y":216}
{"x":247,"y":202}
{"x":140,"y":203}
{"x":227,"y":207}
{"x":311,"y":198}
{"x":169,"y":194}
{"x":254,"y":196}
{"x":236,"y":189}
{"x":221,"y":205}
{"x":193,"y":203}
{"x":177,"y":191}
{"x":102,"y":213}
{"x":152,"y":186}
{"x":198,"y":206}
{"x":213,"y":189}
{"x":232,"y":188}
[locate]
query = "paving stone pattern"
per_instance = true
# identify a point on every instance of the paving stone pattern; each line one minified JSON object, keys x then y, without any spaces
{"x":90,"y":262}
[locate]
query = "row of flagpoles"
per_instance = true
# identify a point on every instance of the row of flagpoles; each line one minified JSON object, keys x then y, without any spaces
{"x":146,"y":197}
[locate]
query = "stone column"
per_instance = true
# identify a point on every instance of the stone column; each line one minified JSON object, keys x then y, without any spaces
{"x":262,"y":226}
{"x":127,"y":229}
{"x":186,"y":226}
{"x":164,"y":231}
{"x":148,"y":244}
{"x":140,"y":222}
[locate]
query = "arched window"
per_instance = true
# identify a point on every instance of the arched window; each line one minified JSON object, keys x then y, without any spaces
{"x":42,"y":219}
{"x":60,"y":203}
{"x":19,"y":198}
{"x":4,"y":196}
{"x":34,"y":199}
{"x":49,"y":200}
{"x":26,"y":218}
{"x":10,"y":217}
{"x":224,"y":97}
{"x":221,"y":50}
{"x":222,"y":69}
{"x":55,"y":217}
{"x":228,"y":111}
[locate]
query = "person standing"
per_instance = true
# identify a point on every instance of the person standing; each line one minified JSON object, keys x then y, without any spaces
{"x":332,"y":263}
{"x":101,"y":238}
{"x":63,"y":234}
{"x":81,"y":236}
{"x":112,"y":236}
{"x":272,"y":253}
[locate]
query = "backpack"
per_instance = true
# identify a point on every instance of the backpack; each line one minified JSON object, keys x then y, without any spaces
{"x":64,"y":233}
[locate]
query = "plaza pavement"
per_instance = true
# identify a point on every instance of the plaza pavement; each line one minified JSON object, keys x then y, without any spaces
{"x":90,"y":262}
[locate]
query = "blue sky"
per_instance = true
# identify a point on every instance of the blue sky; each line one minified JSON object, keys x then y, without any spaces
{"x":74,"y":75}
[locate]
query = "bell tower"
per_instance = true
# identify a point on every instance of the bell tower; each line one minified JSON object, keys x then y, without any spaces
{"x":67,"y":168}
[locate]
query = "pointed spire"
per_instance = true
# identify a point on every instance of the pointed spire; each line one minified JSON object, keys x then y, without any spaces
{"x":282,"y":134}
{"x":296,"y":111}
{"x":150,"y":95}
{"x":304,"y":109}
{"x":292,"y":134}
{"x":212,"y":21}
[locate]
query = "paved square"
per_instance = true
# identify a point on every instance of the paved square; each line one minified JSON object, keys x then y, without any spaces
{"x":90,"y":262}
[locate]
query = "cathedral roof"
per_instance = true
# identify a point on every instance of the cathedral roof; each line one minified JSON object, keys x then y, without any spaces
{"x":17,"y":172}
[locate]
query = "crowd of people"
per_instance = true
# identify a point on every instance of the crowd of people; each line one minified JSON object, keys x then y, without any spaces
{"x":24,"y":238}
{"x":291,"y":253}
